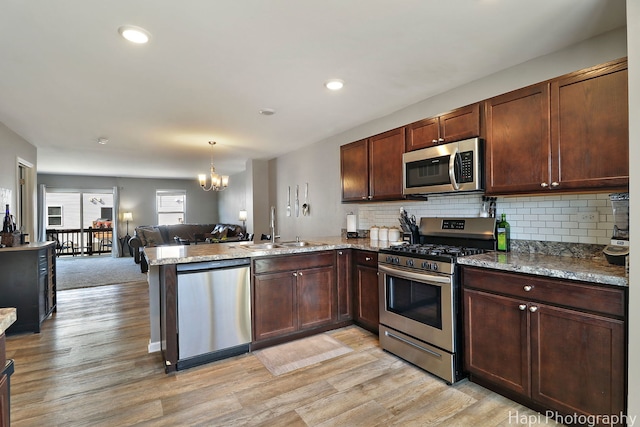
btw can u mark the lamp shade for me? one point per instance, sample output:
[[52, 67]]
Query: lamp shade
[[127, 216], [242, 216]]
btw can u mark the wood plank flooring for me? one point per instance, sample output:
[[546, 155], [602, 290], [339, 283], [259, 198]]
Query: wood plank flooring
[[89, 366]]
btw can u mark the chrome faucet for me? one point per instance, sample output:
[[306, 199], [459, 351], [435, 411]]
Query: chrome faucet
[[272, 224]]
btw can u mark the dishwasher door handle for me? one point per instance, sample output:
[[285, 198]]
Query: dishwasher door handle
[[196, 267]]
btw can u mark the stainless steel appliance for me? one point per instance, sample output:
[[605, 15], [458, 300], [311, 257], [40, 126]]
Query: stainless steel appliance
[[446, 168], [420, 298], [618, 250], [214, 311]]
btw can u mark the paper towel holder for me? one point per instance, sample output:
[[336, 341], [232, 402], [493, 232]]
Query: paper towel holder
[[352, 232]]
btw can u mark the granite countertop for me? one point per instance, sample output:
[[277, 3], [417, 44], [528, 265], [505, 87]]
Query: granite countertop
[[7, 317], [594, 270], [28, 246], [177, 254]]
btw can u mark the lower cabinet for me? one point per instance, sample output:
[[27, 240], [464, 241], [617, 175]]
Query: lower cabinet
[[28, 284], [4, 401], [554, 345], [366, 298], [293, 293], [344, 276]]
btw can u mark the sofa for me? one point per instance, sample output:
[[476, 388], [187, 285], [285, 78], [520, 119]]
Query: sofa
[[181, 234]]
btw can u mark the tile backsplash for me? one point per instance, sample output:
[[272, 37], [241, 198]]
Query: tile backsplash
[[545, 218]]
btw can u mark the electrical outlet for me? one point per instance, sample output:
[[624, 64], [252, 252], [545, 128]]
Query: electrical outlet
[[588, 217]]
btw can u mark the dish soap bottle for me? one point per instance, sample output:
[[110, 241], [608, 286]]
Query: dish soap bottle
[[503, 234]]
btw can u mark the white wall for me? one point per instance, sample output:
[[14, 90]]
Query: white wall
[[633, 28], [319, 164]]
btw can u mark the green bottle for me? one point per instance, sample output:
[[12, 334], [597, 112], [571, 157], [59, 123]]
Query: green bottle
[[503, 234]]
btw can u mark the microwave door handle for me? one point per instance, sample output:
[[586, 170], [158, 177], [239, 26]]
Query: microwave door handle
[[452, 173]]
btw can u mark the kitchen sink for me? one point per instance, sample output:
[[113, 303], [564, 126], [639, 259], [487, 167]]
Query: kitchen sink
[[300, 243], [261, 246]]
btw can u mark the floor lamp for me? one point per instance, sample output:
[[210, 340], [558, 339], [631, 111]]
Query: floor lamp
[[126, 216]]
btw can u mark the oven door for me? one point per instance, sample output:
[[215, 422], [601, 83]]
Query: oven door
[[419, 304]]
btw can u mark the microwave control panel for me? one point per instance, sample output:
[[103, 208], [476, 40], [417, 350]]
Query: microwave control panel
[[466, 167]]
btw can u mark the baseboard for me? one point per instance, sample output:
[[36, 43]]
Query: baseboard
[[154, 347]]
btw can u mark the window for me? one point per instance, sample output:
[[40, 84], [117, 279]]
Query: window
[[171, 206], [54, 216]]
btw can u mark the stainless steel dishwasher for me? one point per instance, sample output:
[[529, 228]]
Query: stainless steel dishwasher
[[214, 311]]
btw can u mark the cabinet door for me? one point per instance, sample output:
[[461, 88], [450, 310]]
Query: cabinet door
[[496, 334], [4, 401], [274, 305], [367, 299], [344, 284], [577, 361], [316, 297], [590, 128], [518, 145], [460, 124], [354, 171], [422, 134], [385, 165]]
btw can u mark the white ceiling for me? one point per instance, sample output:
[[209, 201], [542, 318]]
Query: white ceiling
[[67, 78]]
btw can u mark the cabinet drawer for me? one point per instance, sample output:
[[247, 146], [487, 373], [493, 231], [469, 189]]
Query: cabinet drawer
[[293, 262], [366, 258], [577, 295]]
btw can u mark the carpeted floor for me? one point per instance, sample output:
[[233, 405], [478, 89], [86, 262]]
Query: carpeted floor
[[84, 272], [301, 353]]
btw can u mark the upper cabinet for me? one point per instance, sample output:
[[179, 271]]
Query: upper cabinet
[[568, 134], [461, 123], [371, 169], [590, 128]]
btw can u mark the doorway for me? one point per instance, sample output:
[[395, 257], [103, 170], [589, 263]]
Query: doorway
[[81, 222]]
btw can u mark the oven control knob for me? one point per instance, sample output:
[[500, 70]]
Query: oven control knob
[[410, 262], [424, 264], [389, 259], [434, 266], [396, 260]]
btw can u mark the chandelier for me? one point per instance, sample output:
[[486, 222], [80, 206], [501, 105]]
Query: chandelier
[[217, 182]]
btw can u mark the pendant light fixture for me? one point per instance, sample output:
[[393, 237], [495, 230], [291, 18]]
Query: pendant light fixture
[[217, 182]]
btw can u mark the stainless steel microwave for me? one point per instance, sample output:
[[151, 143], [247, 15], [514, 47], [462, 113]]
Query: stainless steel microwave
[[447, 168]]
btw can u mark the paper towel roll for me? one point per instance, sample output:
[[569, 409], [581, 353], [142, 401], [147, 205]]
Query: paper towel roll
[[351, 223]]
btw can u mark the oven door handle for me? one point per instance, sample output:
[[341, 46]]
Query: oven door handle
[[419, 277]]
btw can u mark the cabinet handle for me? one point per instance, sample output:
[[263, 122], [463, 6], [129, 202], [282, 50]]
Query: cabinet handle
[[554, 184], [368, 258], [295, 273], [370, 197], [300, 273], [440, 139], [527, 288], [522, 307], [339, 252], [544, 185], [434, 141], [533, 309], [364, 197]]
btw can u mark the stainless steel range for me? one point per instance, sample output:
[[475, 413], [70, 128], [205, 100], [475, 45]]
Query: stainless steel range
[[420, 298]]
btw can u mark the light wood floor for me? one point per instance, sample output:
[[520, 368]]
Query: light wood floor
[[90, 367]]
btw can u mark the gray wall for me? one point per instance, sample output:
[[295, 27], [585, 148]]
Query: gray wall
[[319, 164], [137, 195]]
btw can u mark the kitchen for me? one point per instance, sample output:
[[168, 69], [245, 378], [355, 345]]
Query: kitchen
[[321, 175]]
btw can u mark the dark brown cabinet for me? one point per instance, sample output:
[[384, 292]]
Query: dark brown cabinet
[[455, 125], [371, 169], [344, 284], [28, 284], [366, 297], [293, 293], [566, 134], [555, 344], [590, 128], [4, 385]]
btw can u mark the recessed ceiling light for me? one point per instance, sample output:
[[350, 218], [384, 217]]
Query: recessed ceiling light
[[102, 141], [134, 34], [267, 111], [334, 84]]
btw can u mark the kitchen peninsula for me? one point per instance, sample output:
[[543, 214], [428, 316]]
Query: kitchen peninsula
[[296, 289], [8, 316]]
